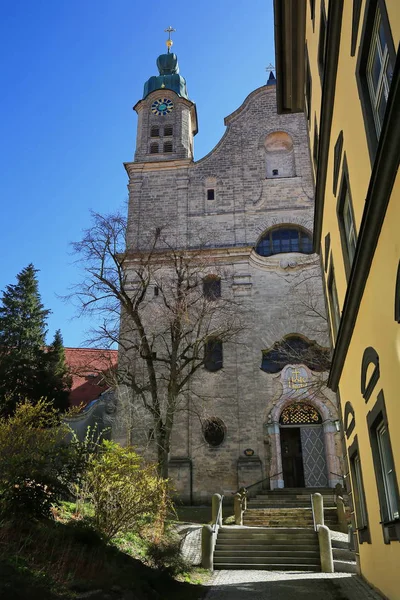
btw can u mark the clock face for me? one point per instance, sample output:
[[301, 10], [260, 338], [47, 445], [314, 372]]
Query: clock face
[[162, 107]]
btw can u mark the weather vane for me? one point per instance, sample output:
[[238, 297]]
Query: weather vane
[[270, 67], [169, 42]]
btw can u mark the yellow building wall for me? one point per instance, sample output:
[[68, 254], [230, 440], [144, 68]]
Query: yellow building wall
[[375, 326]]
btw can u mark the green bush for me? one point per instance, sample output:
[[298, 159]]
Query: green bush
[[126, 494], [36, 464], [165, 555]]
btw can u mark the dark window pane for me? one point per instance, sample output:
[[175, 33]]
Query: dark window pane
[[213, 360], [212, 288], [376, 68], [294, 243], [210, 194], [382, 36], [306, 244], [382, 107]]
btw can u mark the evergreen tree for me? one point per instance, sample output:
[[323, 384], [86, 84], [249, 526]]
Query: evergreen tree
[[57, 378], [26, 371]]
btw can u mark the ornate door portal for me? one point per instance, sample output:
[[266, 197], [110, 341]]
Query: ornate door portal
[[302, 447]]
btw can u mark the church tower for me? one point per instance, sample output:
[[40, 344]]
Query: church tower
[[167, 118]]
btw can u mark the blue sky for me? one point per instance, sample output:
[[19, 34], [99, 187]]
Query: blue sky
[[70, 73]]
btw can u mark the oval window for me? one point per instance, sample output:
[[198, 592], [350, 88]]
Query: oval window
[[214, 432]]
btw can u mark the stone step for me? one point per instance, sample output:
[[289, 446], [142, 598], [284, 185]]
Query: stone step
[[283, 545], [267, 560], [246, 553], [340, 544], [343, 554], [270, 567], [344, 566], [264, 530]]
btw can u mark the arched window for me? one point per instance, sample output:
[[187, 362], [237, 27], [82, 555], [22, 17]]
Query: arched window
[[294, 349], [155, 131], [284, 239], [279, 155], [300, 413], [212, 287], [167, 146], [153, 148]]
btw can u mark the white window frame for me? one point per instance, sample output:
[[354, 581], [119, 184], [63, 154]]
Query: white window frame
[[383, 81], [387, 471], [361, 515], [348, 226]]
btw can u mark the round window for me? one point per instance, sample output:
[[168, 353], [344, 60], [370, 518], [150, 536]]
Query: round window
[[214, 432]]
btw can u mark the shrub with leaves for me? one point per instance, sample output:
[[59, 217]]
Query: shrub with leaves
[[126, 494], [165, 555], [36, 463]]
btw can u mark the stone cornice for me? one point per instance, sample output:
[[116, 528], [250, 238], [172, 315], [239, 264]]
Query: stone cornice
[[134, 168]]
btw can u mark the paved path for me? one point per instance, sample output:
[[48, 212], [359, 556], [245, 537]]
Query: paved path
[[274, 585]]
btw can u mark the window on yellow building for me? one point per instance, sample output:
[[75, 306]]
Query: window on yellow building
[[358, 493], [375, 69], [358, 488], [387, 470], [333, 302], [386, 481], [308, 89], [322, 40], [346, 222]]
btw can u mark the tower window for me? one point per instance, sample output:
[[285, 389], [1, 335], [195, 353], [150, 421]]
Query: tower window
[[211, 194], [168, 130], [167, 146], [155, 132], [275, 172], [153, 148]]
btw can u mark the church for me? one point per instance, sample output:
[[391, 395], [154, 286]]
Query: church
[[267, 415]]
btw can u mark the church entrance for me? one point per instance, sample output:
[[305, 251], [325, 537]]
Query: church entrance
[[302, 447], [292, 459]]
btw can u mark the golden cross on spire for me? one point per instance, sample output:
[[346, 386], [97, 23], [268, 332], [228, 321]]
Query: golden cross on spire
[[169, 42]]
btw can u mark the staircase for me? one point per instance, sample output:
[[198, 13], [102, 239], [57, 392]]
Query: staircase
[[289, 508], [344, 559], [272, 549]]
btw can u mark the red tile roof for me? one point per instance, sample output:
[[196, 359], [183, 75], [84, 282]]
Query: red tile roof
[[89, 369]]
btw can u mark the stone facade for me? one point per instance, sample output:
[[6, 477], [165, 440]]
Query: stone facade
[[261, 178]]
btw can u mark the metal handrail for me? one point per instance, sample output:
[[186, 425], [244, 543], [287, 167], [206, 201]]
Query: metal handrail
[[247, 487], [218, 515], [337, 475]]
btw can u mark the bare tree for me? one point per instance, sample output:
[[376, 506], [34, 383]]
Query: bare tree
[[163, 308], [307, 305]]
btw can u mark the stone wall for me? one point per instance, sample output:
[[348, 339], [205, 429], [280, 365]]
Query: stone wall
[[248, 200]]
